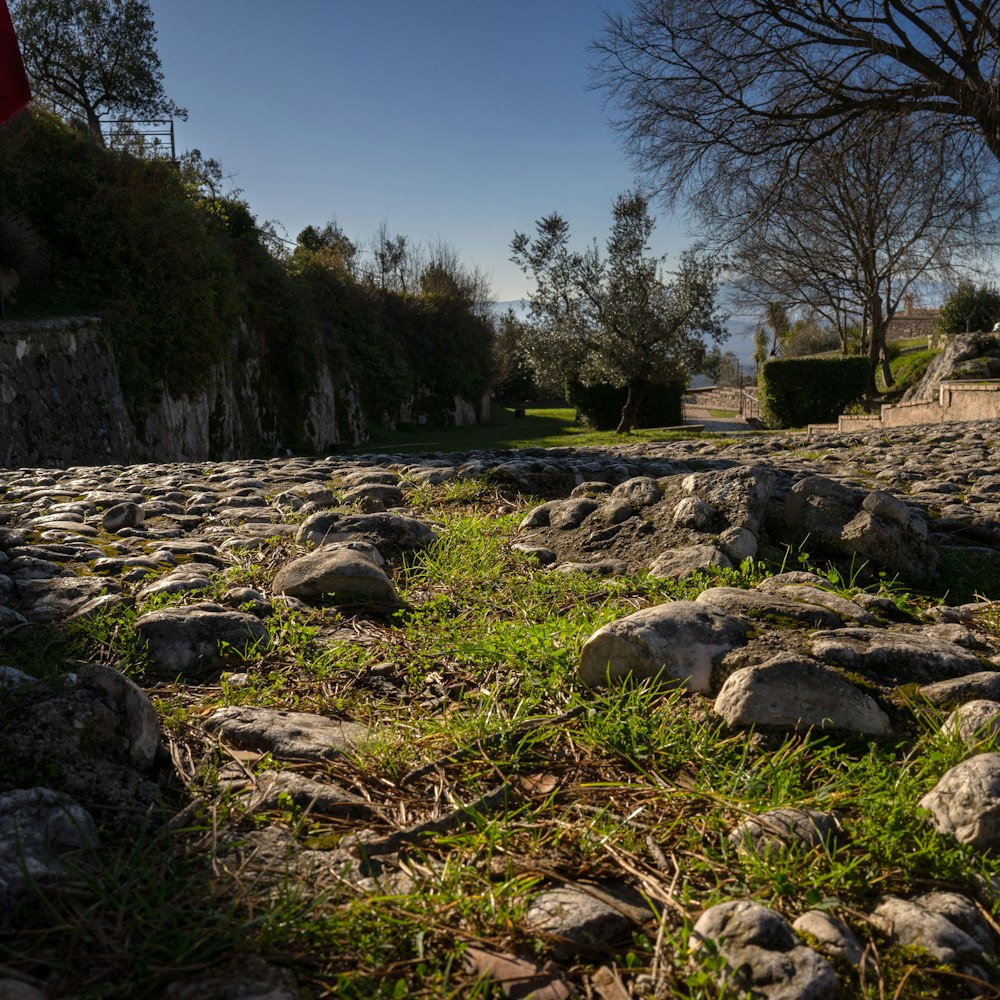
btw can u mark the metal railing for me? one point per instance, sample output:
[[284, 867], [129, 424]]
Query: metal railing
[[749, 405], [146, 137]]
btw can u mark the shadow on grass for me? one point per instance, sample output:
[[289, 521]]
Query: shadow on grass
[[538, 428]]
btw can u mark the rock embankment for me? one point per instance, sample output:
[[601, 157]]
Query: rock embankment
[[199, 561]]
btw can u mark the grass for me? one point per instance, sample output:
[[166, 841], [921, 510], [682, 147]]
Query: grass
[[477, 723], [907, 364], [550, 427]]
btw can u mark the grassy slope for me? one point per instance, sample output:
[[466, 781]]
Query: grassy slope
[[908, 363]]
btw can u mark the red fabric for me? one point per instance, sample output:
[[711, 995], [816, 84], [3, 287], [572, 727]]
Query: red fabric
[[14, 91]]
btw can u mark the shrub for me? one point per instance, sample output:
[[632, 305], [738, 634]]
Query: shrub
[[173, 268], [969, 308], [601, 405], [798, 391]]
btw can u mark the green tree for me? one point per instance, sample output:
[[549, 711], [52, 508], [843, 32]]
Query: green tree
[[88, 58], [330, 246], [616, 318], [970, 308], [513, 377]]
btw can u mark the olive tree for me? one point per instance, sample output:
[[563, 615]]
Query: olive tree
[[616, 317], [88, 58]]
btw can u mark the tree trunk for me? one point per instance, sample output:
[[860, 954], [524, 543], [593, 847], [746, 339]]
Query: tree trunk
[[94, 126], [630, 411], [876, 341]]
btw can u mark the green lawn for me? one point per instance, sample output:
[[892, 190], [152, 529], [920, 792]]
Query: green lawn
[[538, 428]]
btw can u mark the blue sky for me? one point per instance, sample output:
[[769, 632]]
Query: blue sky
[[461, 121]]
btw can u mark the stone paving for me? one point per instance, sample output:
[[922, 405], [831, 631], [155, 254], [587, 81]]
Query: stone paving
[[786, 655]]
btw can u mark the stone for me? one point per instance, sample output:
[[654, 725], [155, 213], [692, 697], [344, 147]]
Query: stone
[[286, 735], [337, 572], [181, 639], [275, 789], [890, 546], [796, 693], [65, 598], [786, 826], [247, 599], [40, 830], [673, 643], [679, 563], [963, 913], [615, 511], [769, 607], [983, 685], [186, 579], [542, 555], [819, 507], [835, 520], [567, 514], [762, 954], [902, 658], [840, 606], [742, 493], [23, 568], [373, 497], [598, 567], [9, 617], [638, 492], [537, 517], [965, 803], [916, 926], [574, 919], [832, 937], [12, 677], [139, 725], [383, 530], [123, 515], [694, 513], [976, 723], [887, 507], [739, 544], [899, 657], [591, 488]]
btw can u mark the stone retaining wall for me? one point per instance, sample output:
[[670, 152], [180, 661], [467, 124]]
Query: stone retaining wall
[[61, 404], [957, 401], [60, 399]]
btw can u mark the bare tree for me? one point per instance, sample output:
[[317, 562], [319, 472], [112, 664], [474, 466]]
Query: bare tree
[[700, 81], [864, 218], [445, 275], [392, 267]]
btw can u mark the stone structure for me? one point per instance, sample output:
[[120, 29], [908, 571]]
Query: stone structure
[[910, 322], [957, 401], [61, 403], [961, 383]]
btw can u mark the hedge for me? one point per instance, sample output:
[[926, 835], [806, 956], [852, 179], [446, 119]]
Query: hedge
[[794, 392], [601, 405]]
